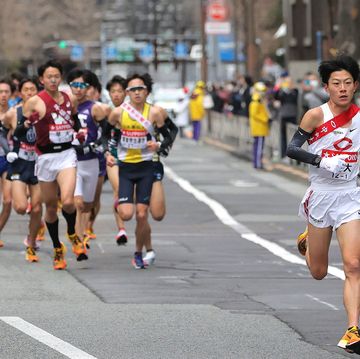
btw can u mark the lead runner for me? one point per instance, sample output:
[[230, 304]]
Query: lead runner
[[332, 202]]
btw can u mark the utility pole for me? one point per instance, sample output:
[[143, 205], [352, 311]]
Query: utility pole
[[204, 64], [251, 63], [236, 36]]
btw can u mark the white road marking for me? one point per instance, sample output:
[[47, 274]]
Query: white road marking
[[46, 338], [224, 216], [243, 184], [322, 302], [101, 247]]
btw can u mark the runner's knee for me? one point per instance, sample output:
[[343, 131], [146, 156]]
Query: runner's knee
[[352, 266], [318, 273]]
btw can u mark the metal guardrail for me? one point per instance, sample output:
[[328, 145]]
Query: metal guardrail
[[235, 131]]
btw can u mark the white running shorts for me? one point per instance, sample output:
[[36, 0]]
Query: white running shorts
[[86, 179], [48, 165], [330, 208]]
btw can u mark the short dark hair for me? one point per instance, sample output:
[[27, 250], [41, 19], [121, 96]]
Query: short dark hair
[[33, 80], [146, 78], [116, 80], [342, 62], [50, 63], [8, 82], [74, 74], [91, 78]]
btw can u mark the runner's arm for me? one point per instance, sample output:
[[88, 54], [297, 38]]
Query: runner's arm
[[308, 124]]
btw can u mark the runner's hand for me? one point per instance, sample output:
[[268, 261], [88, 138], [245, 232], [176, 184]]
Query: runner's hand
[[334, 164], [33, 118], [11, 157]]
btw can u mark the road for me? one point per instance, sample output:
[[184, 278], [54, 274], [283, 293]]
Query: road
[[227, 283]]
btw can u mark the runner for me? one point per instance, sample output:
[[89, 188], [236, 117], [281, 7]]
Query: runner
[[157, 201], [21, 168], [136, 120], [93, 94], [50, 112], [90, 114], [6, 90], [116, 87], [332, 201]]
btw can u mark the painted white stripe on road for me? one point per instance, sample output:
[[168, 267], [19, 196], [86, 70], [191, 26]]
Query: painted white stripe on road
[[322, 302], [224, 216], [46, 338]]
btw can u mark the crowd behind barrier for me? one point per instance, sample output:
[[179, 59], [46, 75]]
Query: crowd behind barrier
[[235, 132]]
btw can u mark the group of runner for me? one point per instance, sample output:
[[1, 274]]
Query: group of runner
[[57, 146]]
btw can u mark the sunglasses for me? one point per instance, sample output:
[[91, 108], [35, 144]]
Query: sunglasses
[[79, 85], [136, 88]]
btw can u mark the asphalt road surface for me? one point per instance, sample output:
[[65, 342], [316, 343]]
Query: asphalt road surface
[[227, 282]]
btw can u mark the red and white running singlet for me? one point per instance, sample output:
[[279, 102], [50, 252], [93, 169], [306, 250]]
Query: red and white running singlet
[[343, 140], [57, 125]]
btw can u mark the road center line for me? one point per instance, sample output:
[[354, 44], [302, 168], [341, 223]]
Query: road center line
[[224, 216], [46, 338]]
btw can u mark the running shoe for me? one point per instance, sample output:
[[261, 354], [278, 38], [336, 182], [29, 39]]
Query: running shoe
[[1, 243], [28, 208], [41, 232], [302, 242], [121, 237], [59, 257], [149, 258], [351, 340], [30, 255], [137, 261], [27, 243], [86, 240], [78, 247], [90, 233]]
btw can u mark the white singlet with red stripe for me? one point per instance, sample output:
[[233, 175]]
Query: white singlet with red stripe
[[343, 140]]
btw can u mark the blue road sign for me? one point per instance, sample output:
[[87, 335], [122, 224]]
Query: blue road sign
[[77, 53], [181, 50]]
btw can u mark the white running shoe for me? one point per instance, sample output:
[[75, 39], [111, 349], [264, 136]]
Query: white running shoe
[[149, 258]]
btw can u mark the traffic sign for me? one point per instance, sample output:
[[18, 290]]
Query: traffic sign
[[217, 11], [77, 53]]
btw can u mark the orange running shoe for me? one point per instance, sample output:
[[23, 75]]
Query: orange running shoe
[[302, 242], [78, 247], [30, 255], [59, 257], [1, 243], [41, 232], [351, 340], [90, 233]]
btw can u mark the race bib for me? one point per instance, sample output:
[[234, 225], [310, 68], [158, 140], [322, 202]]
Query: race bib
[[60, 133], [27, 152], [134, 139]]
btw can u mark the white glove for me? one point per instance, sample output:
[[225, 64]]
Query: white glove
[[334, 164], [11, 157]]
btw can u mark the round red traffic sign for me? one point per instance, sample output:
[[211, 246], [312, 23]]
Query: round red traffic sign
[[217, 11]]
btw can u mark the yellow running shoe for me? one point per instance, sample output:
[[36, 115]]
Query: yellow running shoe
[[302, 242], [90, 233], [59, 257], [41, 232], [351, 340], [78, 247], [30, 255]]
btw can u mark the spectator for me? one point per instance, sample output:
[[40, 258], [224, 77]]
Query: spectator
[[287, 95], [182, 112], [196, 107], [259, 122], [313, 94]]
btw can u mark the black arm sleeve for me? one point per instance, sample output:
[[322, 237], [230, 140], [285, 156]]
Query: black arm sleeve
[[295, 151], [20, 131], [77, 124], [173, 129]]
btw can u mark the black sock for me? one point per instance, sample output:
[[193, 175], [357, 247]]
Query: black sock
[[70, 220], [53, 229]]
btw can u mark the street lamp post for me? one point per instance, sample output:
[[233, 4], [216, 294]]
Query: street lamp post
[[204, 72]]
